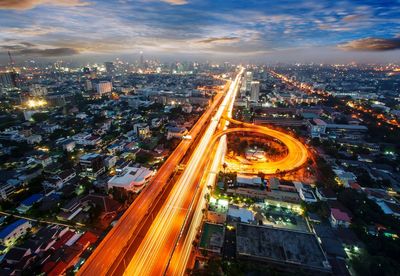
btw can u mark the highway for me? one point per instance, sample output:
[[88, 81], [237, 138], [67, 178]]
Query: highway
[[297, 156], [153, 254], [214, 158], [165, 243], [111, 250]]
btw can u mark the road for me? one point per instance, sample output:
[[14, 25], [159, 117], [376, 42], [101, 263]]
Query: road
[[183, 253], [154, 252], [166, 245], [297, 156], [72, 225], [297, 152], [113, 247]]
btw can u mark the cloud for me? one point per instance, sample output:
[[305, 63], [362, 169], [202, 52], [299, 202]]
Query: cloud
[[334, 28], [175, 2], [29, 49], [353, 17], [30, 4], [32, 30], [371, 44], [51, 52], [219, 40]]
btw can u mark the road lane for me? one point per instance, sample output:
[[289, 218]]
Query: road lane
[[113, 247]]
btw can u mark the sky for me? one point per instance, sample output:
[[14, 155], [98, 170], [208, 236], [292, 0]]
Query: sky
[[328, 31]]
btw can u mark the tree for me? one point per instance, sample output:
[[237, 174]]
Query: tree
[[143, 157], [40, 117]]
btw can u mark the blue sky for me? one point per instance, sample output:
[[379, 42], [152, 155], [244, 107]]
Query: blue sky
[[281, 30]]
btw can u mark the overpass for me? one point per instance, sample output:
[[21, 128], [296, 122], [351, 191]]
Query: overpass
[[297, 152], [166, 244]]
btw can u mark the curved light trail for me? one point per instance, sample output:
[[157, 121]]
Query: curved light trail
[[297, 152]]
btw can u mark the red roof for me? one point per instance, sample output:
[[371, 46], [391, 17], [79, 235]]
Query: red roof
[[48, 266], [64, 238], [339, 215], [58, 269], [355, 186], [86, 238]]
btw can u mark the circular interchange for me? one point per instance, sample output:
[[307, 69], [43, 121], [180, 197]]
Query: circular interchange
[[297, 152]]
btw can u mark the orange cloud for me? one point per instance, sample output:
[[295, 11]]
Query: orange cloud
[[175, 2], [372, 44], [30, 4]]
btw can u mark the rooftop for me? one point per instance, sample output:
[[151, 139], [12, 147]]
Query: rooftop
[[212, 236], [32, 199], [9, 228], [130, 175], [280, 245]]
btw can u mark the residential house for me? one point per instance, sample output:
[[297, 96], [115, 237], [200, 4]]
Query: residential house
[[10, 233]]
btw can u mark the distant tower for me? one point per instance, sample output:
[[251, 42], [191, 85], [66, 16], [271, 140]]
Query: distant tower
[[110, 68], [12, 63], [141, 62], [255, 91]]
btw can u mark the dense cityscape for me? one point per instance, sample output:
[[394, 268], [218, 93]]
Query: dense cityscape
[[221, 163]]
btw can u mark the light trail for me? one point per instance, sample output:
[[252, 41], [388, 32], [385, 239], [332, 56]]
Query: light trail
[[183, 251], [297, 156], [109, 254], [152, 255]]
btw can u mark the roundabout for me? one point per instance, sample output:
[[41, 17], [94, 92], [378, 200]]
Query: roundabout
[[296, 157]]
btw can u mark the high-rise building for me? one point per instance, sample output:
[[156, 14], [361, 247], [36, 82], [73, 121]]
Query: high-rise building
[[37, 90], [8, 79], [88, 85], [254, 91], [104, 87], [110, 67], [248, 78], [141, 61]]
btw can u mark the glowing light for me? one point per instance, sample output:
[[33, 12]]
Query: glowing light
[[32, 103]]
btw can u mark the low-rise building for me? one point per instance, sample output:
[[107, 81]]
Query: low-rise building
[[286, 250], [212, 238], [176, 132], [6, 190], [317, 127], [238, 214], [92, 164], [10, 233], [131, 178], [142, 130], [325, 194], [339, 218], [68, 145], [344, 178], [27, 203], [217, 210], [244, 180], [34, 139], [59, 180], [306, 194]]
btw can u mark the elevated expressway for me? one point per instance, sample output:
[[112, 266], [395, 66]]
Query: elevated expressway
[[154, 252], [166, 246], [297, 152], [297, 155], [110, 254]]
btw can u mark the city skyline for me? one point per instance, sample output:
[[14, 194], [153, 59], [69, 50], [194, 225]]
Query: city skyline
[[243, 31]]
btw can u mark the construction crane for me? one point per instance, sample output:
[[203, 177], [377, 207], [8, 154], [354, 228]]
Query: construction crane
[[11, 62]]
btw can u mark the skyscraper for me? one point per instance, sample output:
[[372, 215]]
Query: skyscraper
[[254, 91], [110, 68], [8, 79]]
